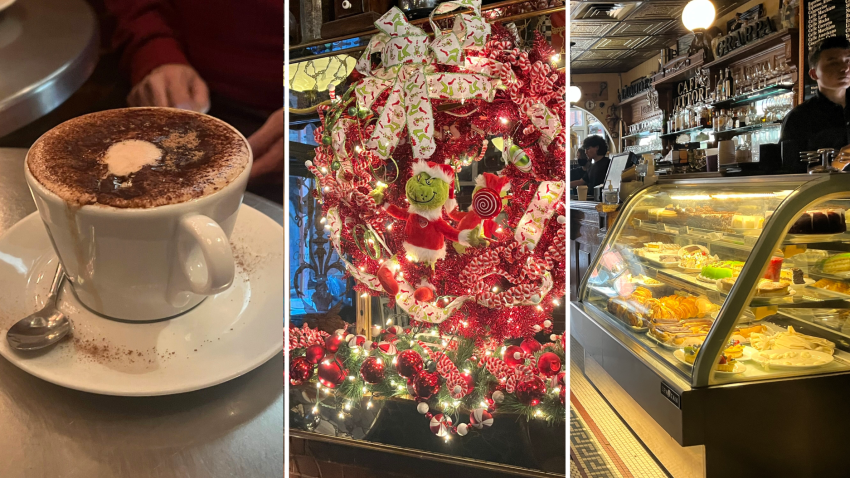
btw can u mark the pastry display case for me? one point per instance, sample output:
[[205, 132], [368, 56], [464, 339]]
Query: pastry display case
[[719, 298]]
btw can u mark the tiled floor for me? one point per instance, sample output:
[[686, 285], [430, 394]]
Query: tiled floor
[[600, 442]]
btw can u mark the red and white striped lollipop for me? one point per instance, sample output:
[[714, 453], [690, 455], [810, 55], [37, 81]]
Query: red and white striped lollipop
[[487, 203], [440, 424], [356, 340], [387, 348], [480, 418]]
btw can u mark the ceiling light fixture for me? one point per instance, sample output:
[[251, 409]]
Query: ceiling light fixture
[[575, 94], [697, 17]]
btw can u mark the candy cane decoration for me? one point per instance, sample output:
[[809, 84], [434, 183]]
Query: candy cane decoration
[[305, 337], [458, 388]]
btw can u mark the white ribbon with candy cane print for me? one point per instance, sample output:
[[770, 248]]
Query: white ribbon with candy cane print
[[545, 121], [468, 31], [425, 311], [541, 208], [404, 55], [407, 70]]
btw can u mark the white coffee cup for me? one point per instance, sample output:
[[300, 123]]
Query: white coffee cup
[[144, 264], [582, 193]]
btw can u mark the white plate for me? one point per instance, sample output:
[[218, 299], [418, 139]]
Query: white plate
[[806, 283], [791, 291], [226, 336], [739, 367], [654, 339], [756, 357]]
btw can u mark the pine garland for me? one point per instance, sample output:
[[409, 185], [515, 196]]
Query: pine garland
[[349, 394]]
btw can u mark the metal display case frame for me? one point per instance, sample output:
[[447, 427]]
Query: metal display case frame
[[782, 411]]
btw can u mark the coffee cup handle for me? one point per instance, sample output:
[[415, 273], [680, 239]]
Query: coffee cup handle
[[204, 261]]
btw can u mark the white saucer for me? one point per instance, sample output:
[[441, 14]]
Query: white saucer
[[4, 4], [226, 336]]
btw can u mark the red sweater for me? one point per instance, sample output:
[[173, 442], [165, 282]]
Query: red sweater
[[235, 45]]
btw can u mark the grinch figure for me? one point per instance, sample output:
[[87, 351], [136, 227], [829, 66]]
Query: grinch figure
[[429, 190]]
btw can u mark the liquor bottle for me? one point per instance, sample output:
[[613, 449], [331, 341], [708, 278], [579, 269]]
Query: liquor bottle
[[719, 89], [729, 84], [705, 118], [735, 120]]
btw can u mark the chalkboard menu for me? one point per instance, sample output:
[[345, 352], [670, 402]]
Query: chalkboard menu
[[821, 19]]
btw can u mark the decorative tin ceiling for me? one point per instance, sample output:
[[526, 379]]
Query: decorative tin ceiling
[[614, 37]]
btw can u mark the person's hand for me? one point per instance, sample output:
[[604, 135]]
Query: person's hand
[[476, 238], [174, 85], [267, 146]]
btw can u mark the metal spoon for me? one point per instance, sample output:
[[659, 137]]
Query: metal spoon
[[43, 328]]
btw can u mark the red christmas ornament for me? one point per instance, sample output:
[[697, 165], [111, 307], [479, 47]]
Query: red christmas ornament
[[514, 356], [494, 387], [331, 373], [409, 363], [372, 370], [549, 364], [530, 346], [315, 353], [425, 385], [332, 343], [480, 418], [300, 370], [441, 424], [529, 392]]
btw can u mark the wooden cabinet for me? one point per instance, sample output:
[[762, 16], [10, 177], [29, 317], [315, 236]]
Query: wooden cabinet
[[588, 227], [353, 16]]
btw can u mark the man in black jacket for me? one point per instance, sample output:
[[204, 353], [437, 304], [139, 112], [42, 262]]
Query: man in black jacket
[[823, 121]]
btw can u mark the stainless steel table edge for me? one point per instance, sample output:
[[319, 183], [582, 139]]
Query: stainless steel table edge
[[43, 97]]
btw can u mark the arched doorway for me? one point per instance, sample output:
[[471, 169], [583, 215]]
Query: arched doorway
[[583, 124]]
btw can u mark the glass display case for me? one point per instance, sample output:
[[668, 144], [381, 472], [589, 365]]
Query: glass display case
[[723, 287]]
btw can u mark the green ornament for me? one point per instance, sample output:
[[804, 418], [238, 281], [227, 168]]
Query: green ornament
[[362, 114], [326, 140], [519, 158], [335, 165], [352, 111]]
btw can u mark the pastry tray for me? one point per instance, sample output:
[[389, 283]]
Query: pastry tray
[[665, 345], [659, 265]]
